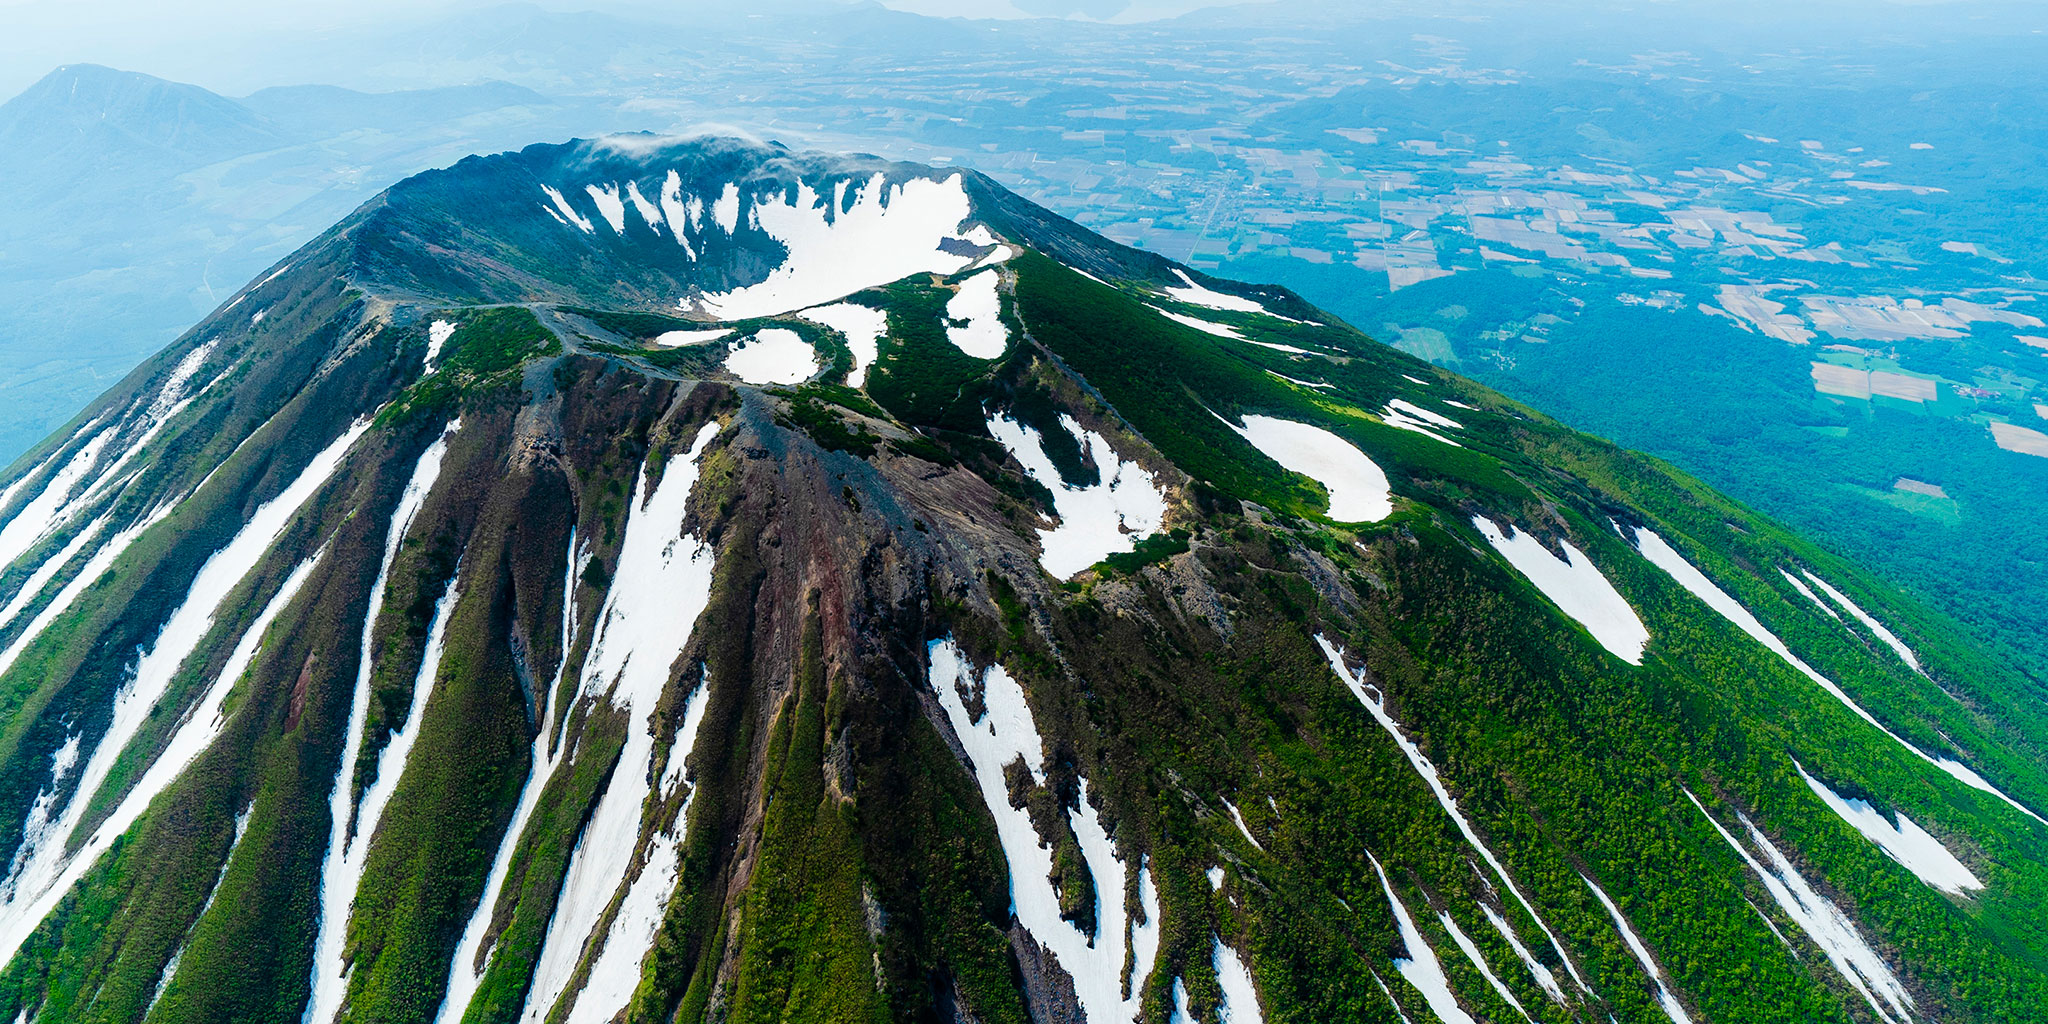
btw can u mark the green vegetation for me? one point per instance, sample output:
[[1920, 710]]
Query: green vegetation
[[484, 354]]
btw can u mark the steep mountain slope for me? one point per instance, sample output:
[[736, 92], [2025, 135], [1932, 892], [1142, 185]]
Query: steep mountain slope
[[698, 581]]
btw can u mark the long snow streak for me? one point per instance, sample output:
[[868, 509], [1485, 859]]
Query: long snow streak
[[1472, 953], [1830, 929], [1890, 639], [1902, 839], [47, 871], [1576, 586], [335, 895], [163, 979], [1098, 520], [1370, 696], [662, 585], [1542, 975], [1359, 491], [344, 876], [836, 247], [94, 568], [1003, 733], [466, 968], [48, 570], [1421, 968], [1664, 557], [1635, 944]]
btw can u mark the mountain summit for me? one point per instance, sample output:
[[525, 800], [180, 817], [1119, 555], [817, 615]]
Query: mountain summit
[[691, 580]]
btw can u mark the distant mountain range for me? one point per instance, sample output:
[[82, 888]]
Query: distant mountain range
[[695, 580]]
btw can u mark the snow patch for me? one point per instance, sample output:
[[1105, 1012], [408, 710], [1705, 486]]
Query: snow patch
[[684, 339], [1358, 488], [684, 216], [835, 248], [1831, 930], [1094, 521], [775, 355], [983, 336], [1544, 979], [1206, 327], [650, 214], [1406, 407], [1004, 733], [1197, 295], [1807, 592], [48, 571], [1238, 817], [863, 328], [1576, 586], [438, 334], [1240, 998], [609, 205], [1403, 416], [1902, 839], [725, 210], [564, 212]]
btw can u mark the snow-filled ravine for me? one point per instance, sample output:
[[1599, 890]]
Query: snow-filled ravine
[[1098, 520], [1240, 997], [1375, 705], [978, 308], [1358, 488], [1665, 1000], [1421, 967], [1000, 735], [1576, 586], [1665, 557], [1902, 839], [863, 328], [42, 871], [342, 864], [775, 355], [1838, 938], [1199, 295], [466, 967], [662, 585]]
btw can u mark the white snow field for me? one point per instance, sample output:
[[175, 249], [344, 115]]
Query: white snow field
[[1901, 839], [1422, 969], [1005, 732], [1665, 1000], [1240, 1002], [887, 233], [684, 339], [1890, 639], [662, 585], [1576, 586], [466, 967], [775, 355], [1359, 491], [40, 876], [863, 328], [341, 864], [1663, 556], [1822, 921], [1096, 521], [1375, 704], [977, 303]]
